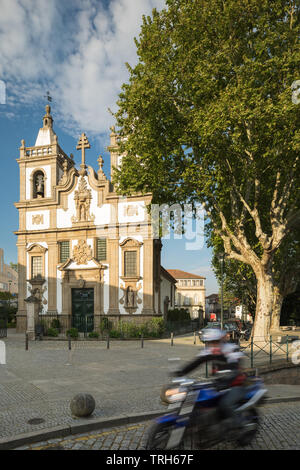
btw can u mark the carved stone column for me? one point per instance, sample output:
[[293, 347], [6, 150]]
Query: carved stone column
[[51, 275], [113, 255], [32, 305], [22, 286], [148, 277]]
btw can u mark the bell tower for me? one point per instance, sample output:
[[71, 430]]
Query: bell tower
[[42, 166]]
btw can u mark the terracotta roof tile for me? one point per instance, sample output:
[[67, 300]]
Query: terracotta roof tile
[[178, 274]]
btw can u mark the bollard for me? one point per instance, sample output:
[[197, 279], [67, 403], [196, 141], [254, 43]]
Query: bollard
[[69, 342], [172, 339], [194, 338], [142, 341], [26, 341], [206, 369], [107, 345]]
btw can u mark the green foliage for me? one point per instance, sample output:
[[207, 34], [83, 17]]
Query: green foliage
[[208, 117], [55, 323], [6, 296], [178, 314], [153, 328], [93, 334], [105, 325], [73, 333], [9, 312], [52, 332], [291, 309]]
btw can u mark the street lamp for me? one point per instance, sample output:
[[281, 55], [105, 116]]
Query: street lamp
[[221, 259]]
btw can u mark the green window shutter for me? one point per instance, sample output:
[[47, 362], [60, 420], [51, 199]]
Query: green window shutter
[[101, 249], [64, 251]]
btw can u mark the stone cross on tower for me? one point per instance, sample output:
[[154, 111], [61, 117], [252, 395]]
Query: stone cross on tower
[[83, 144]]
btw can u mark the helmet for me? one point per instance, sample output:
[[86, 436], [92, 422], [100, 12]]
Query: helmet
[[212, 334]]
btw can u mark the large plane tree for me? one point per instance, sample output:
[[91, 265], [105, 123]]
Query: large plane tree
[[209, 116]]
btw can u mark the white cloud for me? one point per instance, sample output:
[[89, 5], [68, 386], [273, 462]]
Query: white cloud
[[77, 50]]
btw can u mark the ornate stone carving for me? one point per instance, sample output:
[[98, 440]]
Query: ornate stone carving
[[38, 219], [82, 252], [83, 197], [131, 211], [37, 290], [130, 298]]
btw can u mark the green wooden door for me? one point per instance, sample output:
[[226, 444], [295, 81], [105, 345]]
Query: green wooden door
[[83, 309]]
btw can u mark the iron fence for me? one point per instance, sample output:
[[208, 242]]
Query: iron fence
[[262, 350]]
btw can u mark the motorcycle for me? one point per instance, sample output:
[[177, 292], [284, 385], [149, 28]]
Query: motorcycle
[[193, 416]]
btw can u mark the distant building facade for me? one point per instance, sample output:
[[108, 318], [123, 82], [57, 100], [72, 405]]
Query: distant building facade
[[168, 291], [190, 292], [212, 308], [8, 276]]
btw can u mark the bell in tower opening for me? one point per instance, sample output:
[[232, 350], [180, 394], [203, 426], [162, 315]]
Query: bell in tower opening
[[38, 185]]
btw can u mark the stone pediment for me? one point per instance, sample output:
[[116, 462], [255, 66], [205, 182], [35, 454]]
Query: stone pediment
[[71, 264]]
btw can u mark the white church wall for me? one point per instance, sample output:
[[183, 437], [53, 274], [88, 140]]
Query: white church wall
[[59, 291], [106, 289], [102, 214], [38, 220], [131, 212]]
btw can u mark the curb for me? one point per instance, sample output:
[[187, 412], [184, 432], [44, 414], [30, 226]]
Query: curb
[[88, 425]]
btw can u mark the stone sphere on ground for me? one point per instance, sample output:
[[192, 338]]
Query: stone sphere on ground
[[82, 404]]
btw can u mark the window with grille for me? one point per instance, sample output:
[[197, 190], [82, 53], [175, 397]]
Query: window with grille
[[64, 251], [101, 249], [130, 266], [36, 266]]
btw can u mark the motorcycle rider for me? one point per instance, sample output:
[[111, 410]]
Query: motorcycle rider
[[226, 368]]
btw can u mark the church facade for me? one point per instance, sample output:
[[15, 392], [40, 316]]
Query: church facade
[[87, 252]]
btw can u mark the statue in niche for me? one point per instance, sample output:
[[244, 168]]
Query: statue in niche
[[83, 197], [82, 212], [130, 297]]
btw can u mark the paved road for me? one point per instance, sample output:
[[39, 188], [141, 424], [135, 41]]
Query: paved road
[[279, 430]]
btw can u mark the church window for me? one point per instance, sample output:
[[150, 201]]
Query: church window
[[101, 249], [36, 266], [130, 264], [64, 248], [131, 258]]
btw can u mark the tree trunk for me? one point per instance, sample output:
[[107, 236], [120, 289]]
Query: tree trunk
[[264, 305], [277, 304]]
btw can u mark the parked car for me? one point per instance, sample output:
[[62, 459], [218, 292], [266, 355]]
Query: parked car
[[230, 327]]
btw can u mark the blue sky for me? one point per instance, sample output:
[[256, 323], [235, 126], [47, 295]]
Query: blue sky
[[77, 51]]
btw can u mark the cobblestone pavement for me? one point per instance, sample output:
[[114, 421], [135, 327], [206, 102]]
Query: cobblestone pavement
[[279, 430], [125, 379]]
